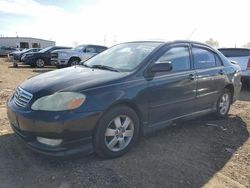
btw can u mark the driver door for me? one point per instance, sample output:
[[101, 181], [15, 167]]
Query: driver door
[[173, 93]]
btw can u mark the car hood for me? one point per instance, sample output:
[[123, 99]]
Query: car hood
[[28, 53], [17, 52], [75, 78]]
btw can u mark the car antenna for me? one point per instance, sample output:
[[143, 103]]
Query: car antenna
[[191, 34]]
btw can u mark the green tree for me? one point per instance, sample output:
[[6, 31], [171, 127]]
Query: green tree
[[212, 42]]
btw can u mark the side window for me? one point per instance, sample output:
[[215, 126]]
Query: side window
[[90, 49], [178, 57], [218, 60], [203, 58], [99, 49]]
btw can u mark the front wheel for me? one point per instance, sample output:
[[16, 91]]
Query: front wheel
[[73, 62], [116, 132], [40, 63], [223, 104]]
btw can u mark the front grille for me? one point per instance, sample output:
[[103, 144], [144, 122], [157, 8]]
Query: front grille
[[54, 55], [22, 97]]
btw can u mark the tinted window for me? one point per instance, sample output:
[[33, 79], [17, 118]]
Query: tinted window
[[99, 49], [178, 57], [90, 49], [203, 58], [218, 60], [235, 52]]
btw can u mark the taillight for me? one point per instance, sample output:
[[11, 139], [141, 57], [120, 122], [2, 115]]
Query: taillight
[[248, 64]]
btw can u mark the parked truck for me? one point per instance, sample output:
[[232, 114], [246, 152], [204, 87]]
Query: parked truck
[[64, 58]]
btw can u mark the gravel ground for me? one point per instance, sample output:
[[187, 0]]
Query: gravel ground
[[200, 153]]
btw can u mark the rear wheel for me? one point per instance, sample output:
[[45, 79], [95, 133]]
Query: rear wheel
[[224, 103], [116, 132], [40, 63]]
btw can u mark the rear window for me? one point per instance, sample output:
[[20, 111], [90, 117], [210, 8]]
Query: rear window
[[235, 52]]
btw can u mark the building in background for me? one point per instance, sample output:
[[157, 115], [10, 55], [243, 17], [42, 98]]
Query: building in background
[[25, 42]]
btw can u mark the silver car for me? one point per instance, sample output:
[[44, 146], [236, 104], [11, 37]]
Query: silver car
[[242, 57], [64, 58]]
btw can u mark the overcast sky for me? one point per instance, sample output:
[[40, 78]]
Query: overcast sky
[[92, 21]]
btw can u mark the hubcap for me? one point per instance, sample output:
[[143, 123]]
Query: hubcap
[[119, 133], [40, 63], [224, 104]]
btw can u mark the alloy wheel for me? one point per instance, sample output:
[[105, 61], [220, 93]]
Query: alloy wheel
[[119, 133], [40, 63], [224, 104]]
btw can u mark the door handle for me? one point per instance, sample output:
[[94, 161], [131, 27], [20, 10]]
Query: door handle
[[191, 76], [221, 72]]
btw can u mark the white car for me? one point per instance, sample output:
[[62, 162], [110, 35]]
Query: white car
[[242, 57]]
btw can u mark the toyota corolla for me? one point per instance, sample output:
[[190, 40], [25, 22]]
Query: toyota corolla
[[104, 104]]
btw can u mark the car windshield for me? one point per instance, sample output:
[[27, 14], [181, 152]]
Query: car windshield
[[46, 49], [26, 50], [123, 57], [79, 48]]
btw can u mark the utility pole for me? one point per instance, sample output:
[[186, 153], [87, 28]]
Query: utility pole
[[104, 40], [115, 39]]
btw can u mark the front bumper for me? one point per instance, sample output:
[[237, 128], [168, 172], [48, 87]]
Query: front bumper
[[59, 62], [75, 129], [29, 61]]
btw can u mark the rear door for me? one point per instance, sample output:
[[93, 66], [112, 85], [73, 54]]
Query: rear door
[[172, 94], [210, 77]]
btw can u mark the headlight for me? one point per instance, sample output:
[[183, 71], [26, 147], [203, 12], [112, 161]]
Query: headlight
[[59, 102], [63, 55]]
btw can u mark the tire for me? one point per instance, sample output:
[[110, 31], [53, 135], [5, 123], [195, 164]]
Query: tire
[[59, 66], [73, 62], [223, 104], [40, 63], [116, 133]]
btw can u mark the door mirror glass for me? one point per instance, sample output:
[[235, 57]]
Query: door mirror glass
[[161, 66]]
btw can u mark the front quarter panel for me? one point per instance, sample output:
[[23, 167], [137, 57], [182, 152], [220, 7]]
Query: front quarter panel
[[130, 92]]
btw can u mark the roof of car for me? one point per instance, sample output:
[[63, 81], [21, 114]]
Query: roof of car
[[175, 41], [233, 49]]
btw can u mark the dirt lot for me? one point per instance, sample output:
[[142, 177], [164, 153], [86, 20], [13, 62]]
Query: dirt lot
[[198, 153]]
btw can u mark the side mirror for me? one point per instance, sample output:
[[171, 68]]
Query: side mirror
[[161, 66]]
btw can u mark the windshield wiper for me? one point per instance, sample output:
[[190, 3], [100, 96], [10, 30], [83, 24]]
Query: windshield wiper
[[105, 67]]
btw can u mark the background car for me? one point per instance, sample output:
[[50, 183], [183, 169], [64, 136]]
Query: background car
[[18, 55], [4, 51], [63, 58], [41, 58], [132, 88], [242, 57]]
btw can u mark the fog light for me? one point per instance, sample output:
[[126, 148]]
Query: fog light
[[49, 141]]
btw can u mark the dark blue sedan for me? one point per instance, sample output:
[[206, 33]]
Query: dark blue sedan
[[134, 88]]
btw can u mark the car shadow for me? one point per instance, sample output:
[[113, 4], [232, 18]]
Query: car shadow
[[187, 154], [245, 94]]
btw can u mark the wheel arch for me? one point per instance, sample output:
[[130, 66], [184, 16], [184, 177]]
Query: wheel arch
[[74, 57], [126, 103]]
